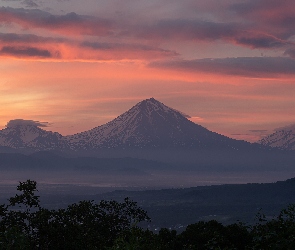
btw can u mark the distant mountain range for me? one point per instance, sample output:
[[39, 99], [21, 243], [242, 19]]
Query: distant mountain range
[[149, 124], [148, 131], [283, 138]]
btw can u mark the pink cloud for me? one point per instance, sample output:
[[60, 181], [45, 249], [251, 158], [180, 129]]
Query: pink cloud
[[70, 23], [252, 30], [33, 46]]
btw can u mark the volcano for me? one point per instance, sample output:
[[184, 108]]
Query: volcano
[[150, 124]]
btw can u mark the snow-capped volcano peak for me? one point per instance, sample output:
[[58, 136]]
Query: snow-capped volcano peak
[[149, 123], [151, 105], [150, 108], [144, 124]]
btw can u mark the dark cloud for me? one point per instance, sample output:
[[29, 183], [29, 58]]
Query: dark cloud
[[123, 46], [25, 52], [199, 30], [30, 4], [100, 45], [26, 3], [260, 41], [258, 130], [243, 66], [68, 23], [276, 17], [255, 24], [27, 38], [290, 52], [29, 45], [241, 33], [250, 6], [21, 122], [187, 29], [12, 38]]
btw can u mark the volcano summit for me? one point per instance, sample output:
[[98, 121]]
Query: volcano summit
[[149, 124]]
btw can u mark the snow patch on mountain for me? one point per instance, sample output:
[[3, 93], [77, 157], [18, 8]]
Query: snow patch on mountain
[[283, 138], [149, 122], [27, 134]]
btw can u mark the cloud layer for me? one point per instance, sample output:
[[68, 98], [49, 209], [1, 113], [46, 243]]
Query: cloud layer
[[70, 23], [252, 24], [242, 66]]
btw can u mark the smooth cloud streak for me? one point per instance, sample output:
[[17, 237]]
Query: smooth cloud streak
[[70, 23], [186, 30], [30, 45], [243, 66]]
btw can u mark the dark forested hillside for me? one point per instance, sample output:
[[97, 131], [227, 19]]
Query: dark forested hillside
[[178, 207], [225, 203], [109, 225]]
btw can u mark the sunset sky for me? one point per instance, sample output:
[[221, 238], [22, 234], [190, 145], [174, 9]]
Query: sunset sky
[[74, 65]]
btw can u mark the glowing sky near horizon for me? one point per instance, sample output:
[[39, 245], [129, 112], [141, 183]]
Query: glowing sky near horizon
[[75, 64]]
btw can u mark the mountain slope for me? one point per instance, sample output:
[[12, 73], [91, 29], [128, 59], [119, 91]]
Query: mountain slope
[[149, 124], [30, 136], [283, 138]]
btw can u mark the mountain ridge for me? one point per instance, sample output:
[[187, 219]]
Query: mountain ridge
[[149, 124], [283, 138], [29, 136]]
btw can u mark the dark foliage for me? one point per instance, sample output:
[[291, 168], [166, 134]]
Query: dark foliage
[[26, 225], [110, 225]]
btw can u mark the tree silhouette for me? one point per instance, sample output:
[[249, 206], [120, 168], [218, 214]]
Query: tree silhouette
[[25, 224]]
